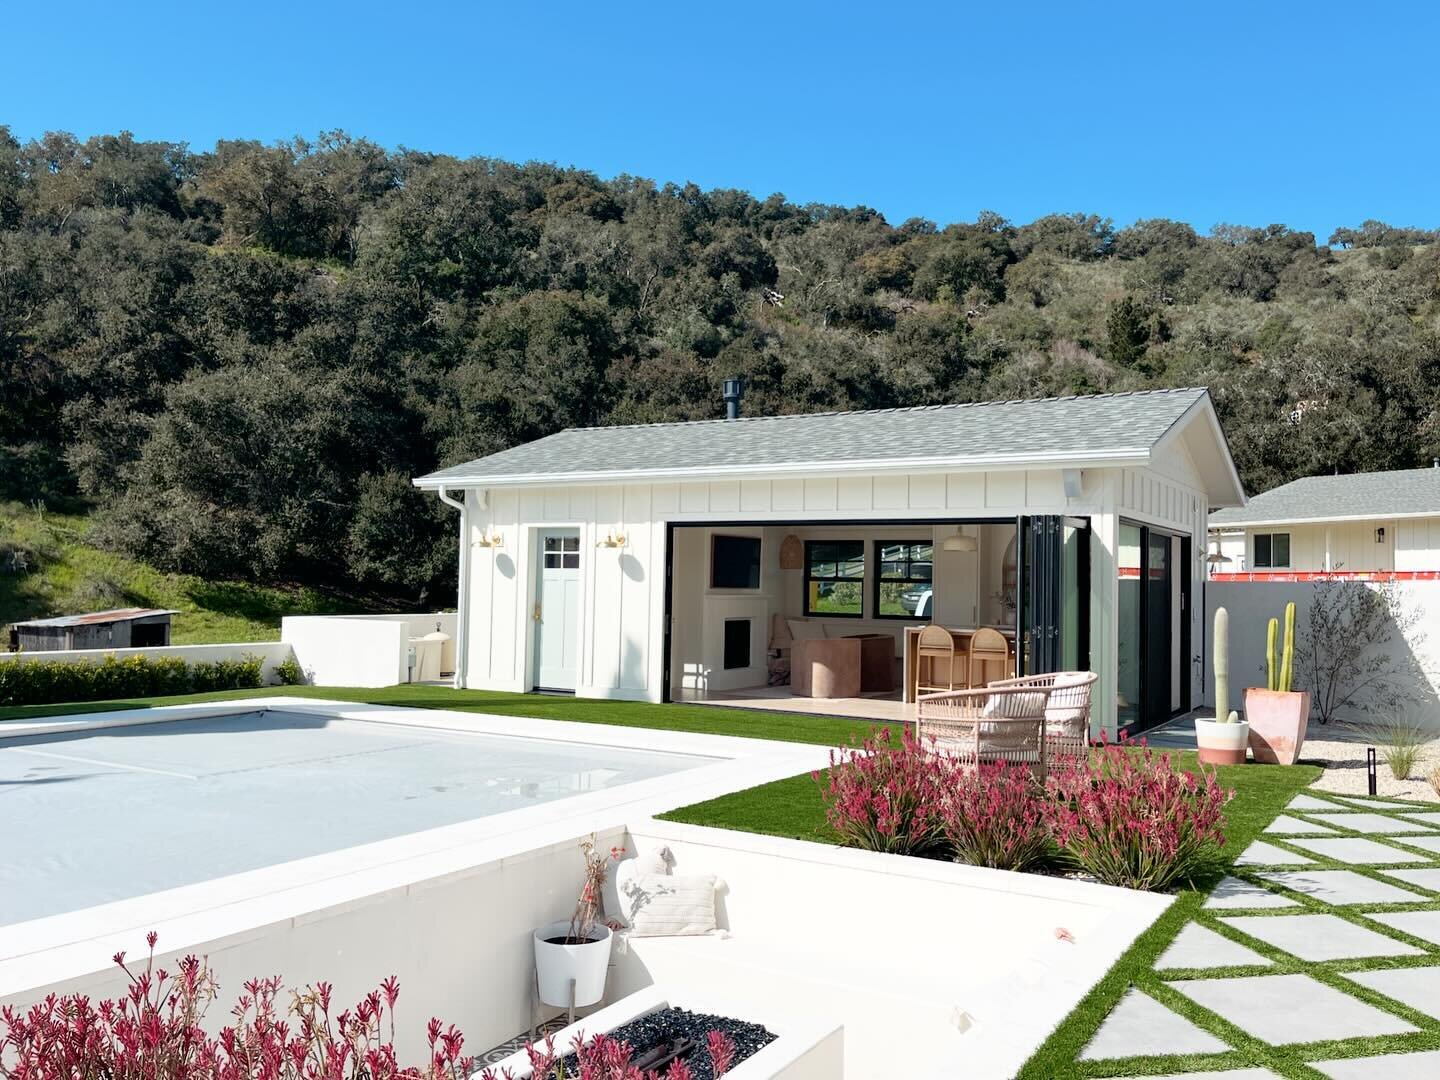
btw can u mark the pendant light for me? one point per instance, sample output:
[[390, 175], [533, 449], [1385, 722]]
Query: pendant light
[[959, 542]]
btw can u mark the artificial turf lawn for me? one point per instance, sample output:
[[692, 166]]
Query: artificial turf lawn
[[700, 719]]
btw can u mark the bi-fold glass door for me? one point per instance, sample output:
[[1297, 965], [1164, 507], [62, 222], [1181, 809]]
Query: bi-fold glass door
[[1054, 612]]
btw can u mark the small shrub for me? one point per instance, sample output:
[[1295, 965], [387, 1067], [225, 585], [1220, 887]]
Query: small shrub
[[1401, 742], [1127, 818], [44, 682], [883, 797], [289, 672], [995, 816], [157, 1030], [1434, 779]]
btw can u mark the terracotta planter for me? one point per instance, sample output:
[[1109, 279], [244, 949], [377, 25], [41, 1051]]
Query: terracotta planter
[[1278, 720], [1220, 743]]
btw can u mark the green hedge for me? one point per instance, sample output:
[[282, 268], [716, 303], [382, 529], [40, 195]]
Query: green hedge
[[44, 682]]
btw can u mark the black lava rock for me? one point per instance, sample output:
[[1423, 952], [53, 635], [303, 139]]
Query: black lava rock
[[669, 1024]]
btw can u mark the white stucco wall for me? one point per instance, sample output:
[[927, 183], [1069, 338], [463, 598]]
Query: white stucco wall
[[358, 650], [1252, 604]]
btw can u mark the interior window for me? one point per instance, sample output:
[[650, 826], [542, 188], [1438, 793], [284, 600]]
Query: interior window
[[1272, 551], [834, 577], [903, 585]]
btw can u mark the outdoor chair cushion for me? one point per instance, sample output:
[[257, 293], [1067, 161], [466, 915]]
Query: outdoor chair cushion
[[668, 905], [1014, 706], [1061, 716]]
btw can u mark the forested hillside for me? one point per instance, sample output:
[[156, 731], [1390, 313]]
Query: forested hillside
[[237, 358]]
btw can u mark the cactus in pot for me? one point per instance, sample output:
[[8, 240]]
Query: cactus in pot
[[1278, 715], [1222, 665], [1223, 740]]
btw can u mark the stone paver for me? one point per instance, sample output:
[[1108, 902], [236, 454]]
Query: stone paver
[[1141, 1025], [1309, 802], [1281, 1009], [1319, 937], [1343, 887], [1286, 824], [1380, 804], [1376, 823], [1427, 877], [1233, 892], [1421, 924], [1417, 987], [1262, 854], [1422, 1066], [1426, 817], [1358, 851], [1200, 947], [1429, 843]]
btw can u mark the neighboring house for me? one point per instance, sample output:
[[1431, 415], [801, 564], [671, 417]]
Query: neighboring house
[[649, 562], [1380, 526]]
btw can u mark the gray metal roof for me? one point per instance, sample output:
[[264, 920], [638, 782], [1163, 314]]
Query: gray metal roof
[[1400, 493], [1095, 428]]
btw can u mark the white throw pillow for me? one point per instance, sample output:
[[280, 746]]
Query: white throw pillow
[[669, 905], [804, 630]]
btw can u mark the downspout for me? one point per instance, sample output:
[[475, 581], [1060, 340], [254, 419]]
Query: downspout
[[462, 599]]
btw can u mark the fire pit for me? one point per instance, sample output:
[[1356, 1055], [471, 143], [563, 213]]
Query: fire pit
[[659, 1037]]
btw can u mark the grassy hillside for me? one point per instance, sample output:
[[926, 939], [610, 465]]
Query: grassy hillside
[[47, 567]]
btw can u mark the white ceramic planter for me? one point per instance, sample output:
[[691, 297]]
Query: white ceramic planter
[[587, 964], [1221, 743]]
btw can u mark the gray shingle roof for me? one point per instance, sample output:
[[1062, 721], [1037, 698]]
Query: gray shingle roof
[[1096, 427], [1328, 498]]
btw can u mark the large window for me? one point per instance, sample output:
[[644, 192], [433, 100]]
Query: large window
[[834, 577], [903, 587], [1272, 551]]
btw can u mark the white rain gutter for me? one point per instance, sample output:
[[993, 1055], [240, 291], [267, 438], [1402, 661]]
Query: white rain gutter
[[462, 599]]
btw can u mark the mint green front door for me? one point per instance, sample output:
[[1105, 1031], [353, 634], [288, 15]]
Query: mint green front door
[[557, 610]]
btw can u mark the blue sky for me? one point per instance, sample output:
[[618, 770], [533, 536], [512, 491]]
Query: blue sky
[[1314, 115]]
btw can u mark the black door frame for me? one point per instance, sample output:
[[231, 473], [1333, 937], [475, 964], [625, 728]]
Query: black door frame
[[1147, 661]]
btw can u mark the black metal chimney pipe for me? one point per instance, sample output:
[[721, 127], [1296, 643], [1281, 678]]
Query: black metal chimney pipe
[[734, 390]]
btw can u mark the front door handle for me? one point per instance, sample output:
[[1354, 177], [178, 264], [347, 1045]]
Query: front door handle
[[536, 613]]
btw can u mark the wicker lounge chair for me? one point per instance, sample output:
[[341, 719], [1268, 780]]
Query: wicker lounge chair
[[992, 723]]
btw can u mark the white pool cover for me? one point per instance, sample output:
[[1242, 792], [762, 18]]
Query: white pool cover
[[95, 816]]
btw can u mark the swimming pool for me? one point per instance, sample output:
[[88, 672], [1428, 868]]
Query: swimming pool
[[98, 815]]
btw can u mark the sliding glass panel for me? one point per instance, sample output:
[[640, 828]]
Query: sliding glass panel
[[1127, 698]]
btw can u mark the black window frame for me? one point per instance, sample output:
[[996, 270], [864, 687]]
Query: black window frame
[[808, 578], [881, 579], [1270, 563]]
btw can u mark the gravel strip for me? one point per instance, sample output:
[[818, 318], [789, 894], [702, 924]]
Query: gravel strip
[[1344, 761]]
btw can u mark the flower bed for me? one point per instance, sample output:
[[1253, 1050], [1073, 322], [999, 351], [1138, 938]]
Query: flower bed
[[155, 1032], [1123, 816]]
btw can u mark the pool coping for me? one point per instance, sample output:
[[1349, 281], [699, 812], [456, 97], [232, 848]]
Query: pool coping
[[51, 949]]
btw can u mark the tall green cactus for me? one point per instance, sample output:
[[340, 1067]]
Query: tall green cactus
[[1281, 676], [1272, 677], [1222, 665], [1287, 662]]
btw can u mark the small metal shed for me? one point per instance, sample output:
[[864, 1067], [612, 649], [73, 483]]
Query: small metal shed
[[122, 628]]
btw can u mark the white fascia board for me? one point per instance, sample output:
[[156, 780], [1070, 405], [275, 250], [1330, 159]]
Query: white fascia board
[[1228, 526], [1108, 459]]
